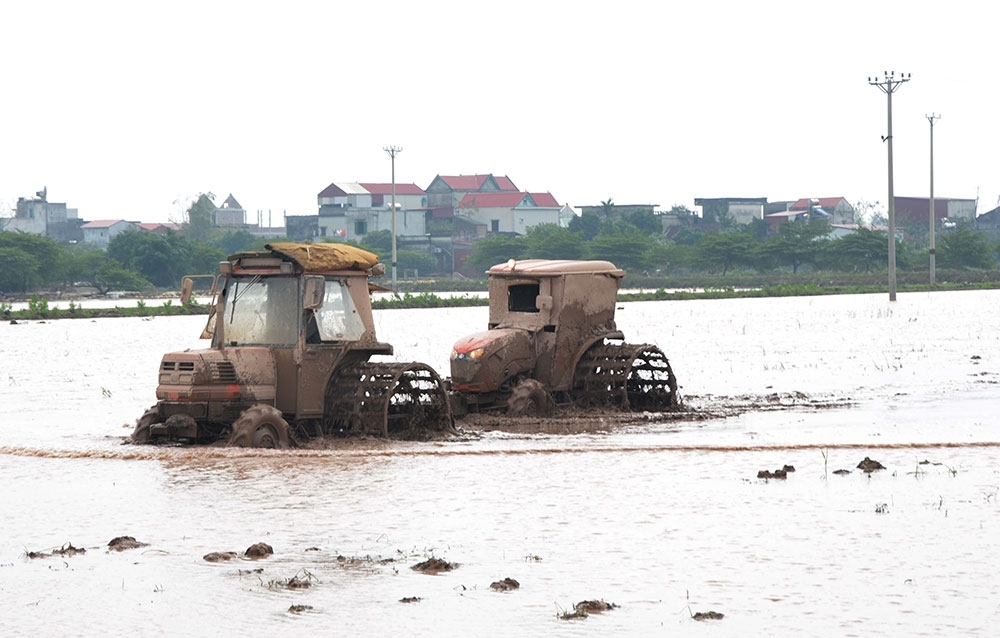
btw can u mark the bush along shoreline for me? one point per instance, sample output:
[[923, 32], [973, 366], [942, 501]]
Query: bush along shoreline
[[39, 308]]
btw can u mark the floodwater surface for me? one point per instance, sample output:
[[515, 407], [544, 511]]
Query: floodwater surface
[[663, 518]]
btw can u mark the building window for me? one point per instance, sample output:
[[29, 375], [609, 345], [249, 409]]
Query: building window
[[322, 231], [360, 228], [495, 225]]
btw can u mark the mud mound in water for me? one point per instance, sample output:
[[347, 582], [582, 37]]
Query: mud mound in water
[[708, 615], [434, 566], [507, 584], [219, 557], [258, 550], [869, 466], [122, 543]]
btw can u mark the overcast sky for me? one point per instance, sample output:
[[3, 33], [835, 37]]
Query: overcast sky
[[130, 109]]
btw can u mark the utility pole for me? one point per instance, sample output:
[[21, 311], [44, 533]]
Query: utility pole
[[889, 85], [393, 151], [931, 118]]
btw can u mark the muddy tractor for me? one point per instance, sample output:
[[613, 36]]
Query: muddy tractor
[[291, 341], [552, 339]]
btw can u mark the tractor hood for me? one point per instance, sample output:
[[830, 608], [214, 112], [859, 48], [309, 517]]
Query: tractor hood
[[484, 361], [232, 374]]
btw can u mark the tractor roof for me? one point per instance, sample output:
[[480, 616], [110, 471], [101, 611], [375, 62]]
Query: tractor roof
[[318, 258], [555, 268]]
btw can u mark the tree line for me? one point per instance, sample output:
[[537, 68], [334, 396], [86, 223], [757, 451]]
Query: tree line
[[636, 242], [142, 261]]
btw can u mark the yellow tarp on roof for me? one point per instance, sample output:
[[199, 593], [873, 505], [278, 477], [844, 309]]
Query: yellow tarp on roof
[[325, 257]]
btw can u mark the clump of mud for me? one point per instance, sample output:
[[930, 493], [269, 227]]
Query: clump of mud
[[781, 473], [707, 615], [298, 609], [586, 607], [219, 557], [434, 566], [868, 465], [507, 584], [66, 550], [258, 550], [410, 599], [122, 543]]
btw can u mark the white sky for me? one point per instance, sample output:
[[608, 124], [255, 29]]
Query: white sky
[[130, 109]]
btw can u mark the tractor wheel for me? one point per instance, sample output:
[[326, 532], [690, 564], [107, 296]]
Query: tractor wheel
[[632, 377], [530, 398], [260, 426], [140, 435]]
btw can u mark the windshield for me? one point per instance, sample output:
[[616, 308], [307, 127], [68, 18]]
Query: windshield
[[261, 311], [338, 319]]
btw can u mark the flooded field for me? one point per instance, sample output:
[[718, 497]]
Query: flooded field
[[663, 518]]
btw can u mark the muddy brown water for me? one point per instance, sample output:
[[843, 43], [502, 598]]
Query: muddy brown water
[[663, 517]]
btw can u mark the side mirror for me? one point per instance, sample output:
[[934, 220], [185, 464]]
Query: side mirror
[[313, 291], [543, 302], [187, 287]]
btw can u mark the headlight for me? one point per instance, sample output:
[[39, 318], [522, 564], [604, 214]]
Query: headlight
[[472, 354]]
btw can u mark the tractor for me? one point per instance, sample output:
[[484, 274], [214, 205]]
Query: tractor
[[552, 339], [291, 341]]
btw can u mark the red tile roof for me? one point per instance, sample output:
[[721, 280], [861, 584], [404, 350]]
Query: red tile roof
[[386, 189], [544, 199]]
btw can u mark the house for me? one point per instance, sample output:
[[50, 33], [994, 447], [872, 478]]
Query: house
[[350, 210], [445, 192], [99, 233], [230, 214], [508, 211], [916, 211], [39, 216], [741, 210], [158, 228], [837, 209]]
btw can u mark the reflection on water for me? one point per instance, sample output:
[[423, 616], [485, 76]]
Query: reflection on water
[[663, 520]]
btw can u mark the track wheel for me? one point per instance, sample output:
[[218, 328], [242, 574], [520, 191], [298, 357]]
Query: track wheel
[[260, 426], [397, 400], [634, 377], [140, 435], [530, 398]]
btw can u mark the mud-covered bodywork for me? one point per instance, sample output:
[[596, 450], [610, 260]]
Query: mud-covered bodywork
[[553, 322], [292, 334]]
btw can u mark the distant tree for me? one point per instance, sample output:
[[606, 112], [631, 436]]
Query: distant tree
[[92, 267], [200, 223], [47, 264], [861, 250], [237, 241], [965, 247], [496, 250], [379, 242], [423, 263], [587, 225], [646, 221], [723, 251], [667, 256], [19, 269], [625, 250], [607, 208], [688, 235], [549, 241], [797, 244]]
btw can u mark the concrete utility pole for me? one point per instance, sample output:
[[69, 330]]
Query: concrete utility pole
[[931, 118], [393, 151], [889, 85]]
